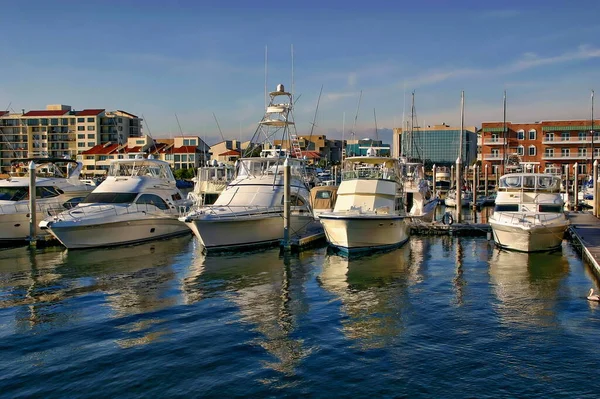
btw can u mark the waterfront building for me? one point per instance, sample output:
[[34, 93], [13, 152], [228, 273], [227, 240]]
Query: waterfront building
[[317, 148], [359, 147], [533, 146], [183, 152], [60, 131], [436, 144]]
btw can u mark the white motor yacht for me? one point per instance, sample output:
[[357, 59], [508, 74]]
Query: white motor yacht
[[249, 211], [369, 210], [138, 201], [210, 182], [58, 187], [420, 201], [466, 198], [529, 215]]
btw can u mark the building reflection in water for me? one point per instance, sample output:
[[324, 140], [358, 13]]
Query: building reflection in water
[[268, 291], [373, 293], [527, 285]]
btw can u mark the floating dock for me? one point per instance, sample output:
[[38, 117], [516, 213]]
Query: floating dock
[[455, 229], [585, 235], [313, 236]]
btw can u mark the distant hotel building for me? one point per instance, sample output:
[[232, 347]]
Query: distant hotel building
[[537, 145], [360, 147], [59, 131], [436, 144]]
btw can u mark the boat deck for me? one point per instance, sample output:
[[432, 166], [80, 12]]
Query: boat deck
[[585, 234]]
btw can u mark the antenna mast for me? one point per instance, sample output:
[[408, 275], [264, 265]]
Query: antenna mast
[[356, 117], [266, 72]]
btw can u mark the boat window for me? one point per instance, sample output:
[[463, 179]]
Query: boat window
[[46, 192], [152, 199], [551, 208], [14, 193], [528, 181], [176, 197], [73, 202], [511, 181], [506, 208], [323, 194], [545, 182], [295, 200], [110, 198]]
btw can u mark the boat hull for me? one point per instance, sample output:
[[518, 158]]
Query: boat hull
[[244, 232], [93, 235], [528, 238], [355, 234]]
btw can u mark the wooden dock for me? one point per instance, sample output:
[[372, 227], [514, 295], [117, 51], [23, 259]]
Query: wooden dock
[[313, 236], [455, 229], [585, 234]]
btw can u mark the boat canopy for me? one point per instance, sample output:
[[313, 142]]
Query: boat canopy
[[374, 168], [140, 167]]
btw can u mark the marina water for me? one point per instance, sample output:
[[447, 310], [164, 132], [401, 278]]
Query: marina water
[[439, 317]]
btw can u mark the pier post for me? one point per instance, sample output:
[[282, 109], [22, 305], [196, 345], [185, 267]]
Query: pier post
[[434, 170], [286, 206], [32, 209], [595, 185], [485, 179], [458, 190], [474, 186], [575, 185], [567, 196], [451, 175]]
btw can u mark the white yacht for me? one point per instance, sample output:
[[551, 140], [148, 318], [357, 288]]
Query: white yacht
[[58, 187], [138, 201], [210, 182], [420, 201], [466, 198], [369, 210], [529, 215], [249, 211]]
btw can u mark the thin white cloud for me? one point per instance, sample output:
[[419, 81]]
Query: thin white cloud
[[499, 14], [527, 61]]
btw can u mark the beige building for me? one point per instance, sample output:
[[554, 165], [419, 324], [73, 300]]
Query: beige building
[[60, 131]]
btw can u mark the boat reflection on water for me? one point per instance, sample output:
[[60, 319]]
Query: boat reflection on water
[[134, 280], [527, 285], [373, 292], [268, 291]]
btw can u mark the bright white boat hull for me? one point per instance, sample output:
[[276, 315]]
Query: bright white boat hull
[[527, 237], [428, 212], [245, 231], [451, 202], [92, 235], [360, 233]]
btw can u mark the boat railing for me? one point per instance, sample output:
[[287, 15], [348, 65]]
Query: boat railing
[[369, 173], [50, 209], [241, 211], [80, 212]]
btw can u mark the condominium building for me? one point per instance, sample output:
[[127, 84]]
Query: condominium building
[[534, 146], [438, 144], [60, 131]]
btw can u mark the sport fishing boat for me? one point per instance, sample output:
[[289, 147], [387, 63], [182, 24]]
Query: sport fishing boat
[[249, 211], [420, 201], [210, 182], [58, 187], [529, 215], [369, 211], [138, 202]]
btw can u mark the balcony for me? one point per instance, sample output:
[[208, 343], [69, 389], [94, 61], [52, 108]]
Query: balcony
[[493, 157], [494, 141], [562, 157], [569, 140]]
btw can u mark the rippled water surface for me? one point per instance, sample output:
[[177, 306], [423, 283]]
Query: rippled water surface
[[439, 317]]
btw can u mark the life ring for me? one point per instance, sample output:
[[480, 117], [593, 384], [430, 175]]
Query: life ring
[[447, 218]]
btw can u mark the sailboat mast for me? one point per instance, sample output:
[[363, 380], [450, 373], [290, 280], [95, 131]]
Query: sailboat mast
[[505, 139], [462, 124], [592, 131], [412, 126]]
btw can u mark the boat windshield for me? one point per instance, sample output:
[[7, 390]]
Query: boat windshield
[[22, 193], [110, 198], [254, 167], [359, 170], [530, 182], [143, 168]]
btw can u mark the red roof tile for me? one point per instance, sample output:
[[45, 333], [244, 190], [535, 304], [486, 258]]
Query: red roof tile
[[101, 149], [89, 112], [134, 149], [230, 152], [311, 154], [185, 149], [3, 113], [45, 112]]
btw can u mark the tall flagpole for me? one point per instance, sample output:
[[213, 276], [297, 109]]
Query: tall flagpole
[[592, 131]]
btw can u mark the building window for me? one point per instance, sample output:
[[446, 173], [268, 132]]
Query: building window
[[532, 133], [183, 158], [186, 142], [532, 150], [80, 128], [520, 150], [81, 136], [596, 152], [80, 120], [44, 122], [565, 152], [91, 120], [549, 153], [139, 142], [582, 169], [191, 157], [564, 136], [495, 153], [495, 169], [91, 136], [177, 158], [54, 121], [582, 152], [80, 144], [90, 144], [120, 120], [91, 128], [549, 136], [169, 157], [521, 135]]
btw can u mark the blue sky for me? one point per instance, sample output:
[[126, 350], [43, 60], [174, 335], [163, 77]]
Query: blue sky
[[196, 58]]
